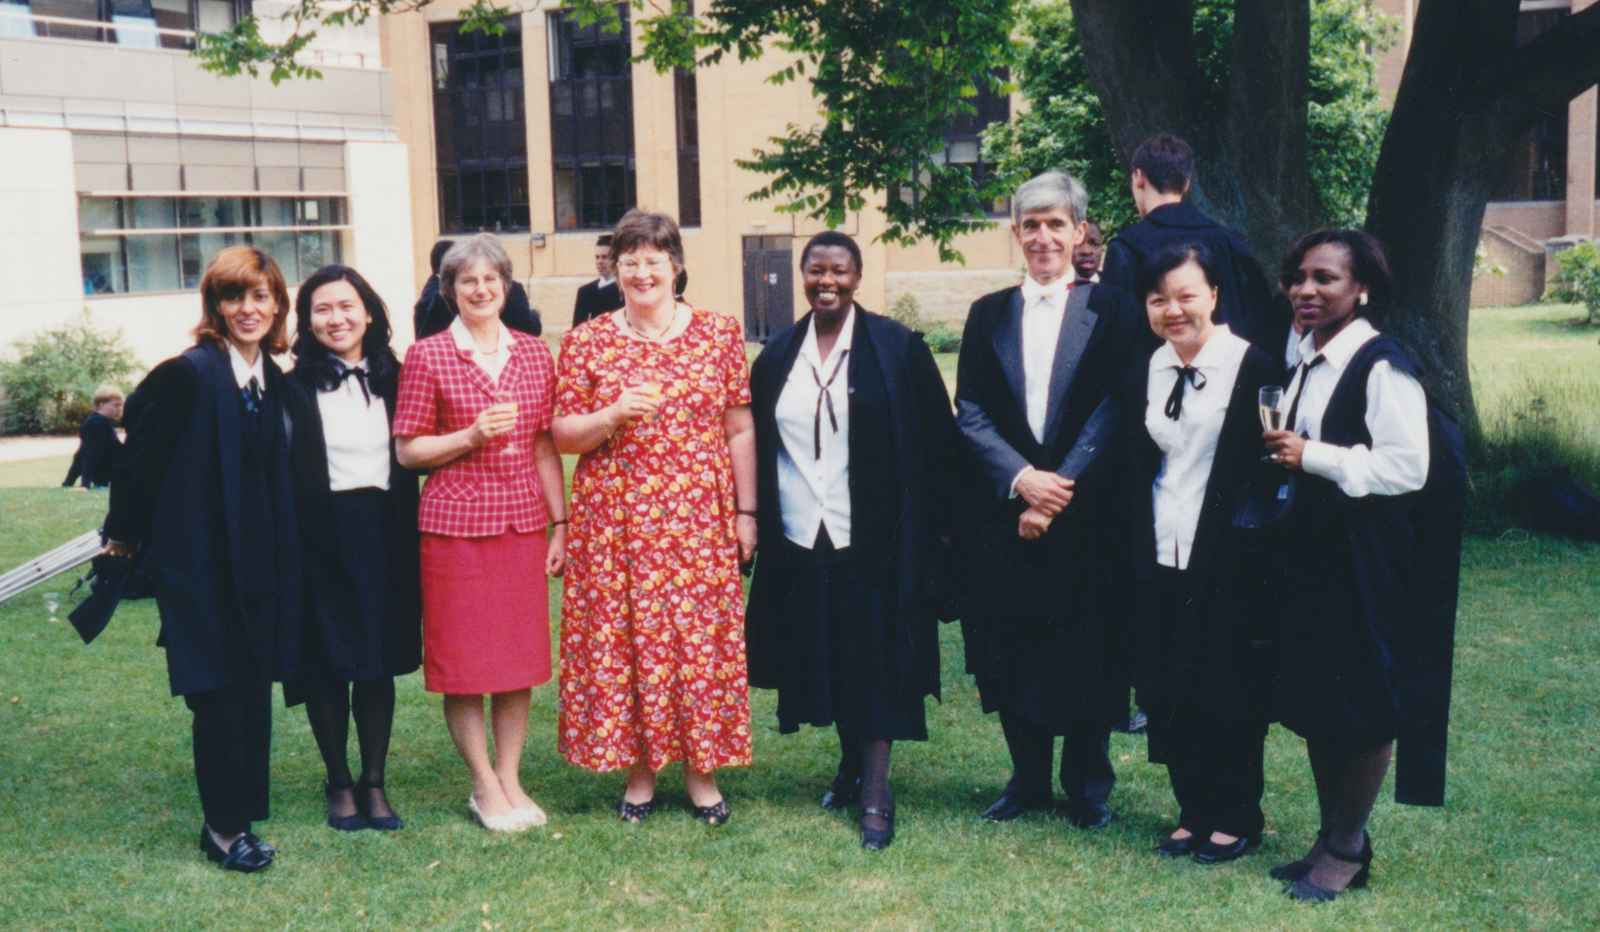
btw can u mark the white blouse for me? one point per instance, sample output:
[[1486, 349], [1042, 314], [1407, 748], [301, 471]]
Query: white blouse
[[493, 363], [813, 492], [356, 432], [1188, 444], [1397, 418]]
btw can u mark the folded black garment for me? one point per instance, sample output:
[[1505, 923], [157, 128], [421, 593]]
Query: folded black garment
[[111, 579]]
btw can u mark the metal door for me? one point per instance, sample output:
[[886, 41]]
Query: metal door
[[768, 286]]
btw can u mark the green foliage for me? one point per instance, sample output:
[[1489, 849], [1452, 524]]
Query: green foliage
[[49, 385], [906, 310], [1578, 278], [943, 338], [1065, 127]]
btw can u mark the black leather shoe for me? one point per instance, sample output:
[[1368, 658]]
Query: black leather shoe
[[244, 855], [1087, 814], [354, 822], [387, 823], [842, 795], [1209, 852], [1011, 805], [874, 839], [1177, 847], [1306, 891]]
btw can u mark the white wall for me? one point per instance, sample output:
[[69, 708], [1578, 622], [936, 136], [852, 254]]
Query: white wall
[[378, 181], [41, 277]]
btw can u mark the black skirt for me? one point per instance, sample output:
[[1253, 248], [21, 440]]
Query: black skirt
[[833, 646], [363, 621]]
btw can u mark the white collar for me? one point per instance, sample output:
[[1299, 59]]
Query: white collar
[[847, 330], [603, 281], [1336, 352], [465, 343], [1056, 291], [1209, 357], [243, 371]]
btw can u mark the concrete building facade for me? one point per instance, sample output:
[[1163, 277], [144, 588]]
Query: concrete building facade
[[124, 167]]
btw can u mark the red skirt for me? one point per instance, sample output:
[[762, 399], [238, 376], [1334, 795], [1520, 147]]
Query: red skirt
[[485, 613]]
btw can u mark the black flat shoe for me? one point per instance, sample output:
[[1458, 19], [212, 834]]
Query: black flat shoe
[[635, 812], [387, 823], [350, 823], [1013, 805], [1307, 891], [1176, 847], [1209, 852], [842, 795], [244, 855], [717, 813], [1088, 815], [875, 839], [1294, 870]]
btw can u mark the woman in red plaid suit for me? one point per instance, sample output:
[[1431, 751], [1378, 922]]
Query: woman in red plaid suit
[[475, 407]]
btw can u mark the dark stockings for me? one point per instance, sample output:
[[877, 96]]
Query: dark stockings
[[875, 792], [330, 710], [1348, 785]]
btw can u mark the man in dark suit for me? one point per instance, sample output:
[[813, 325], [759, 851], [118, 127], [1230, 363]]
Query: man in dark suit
[[1036, 380], [603, 294], [432, 313], [98, 444], [1162, 173]]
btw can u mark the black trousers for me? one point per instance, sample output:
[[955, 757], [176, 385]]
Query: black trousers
[[1086, 774], [1218, 782], [232, 753]]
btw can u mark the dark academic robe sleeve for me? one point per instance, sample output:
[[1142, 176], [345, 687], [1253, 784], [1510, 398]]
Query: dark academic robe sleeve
[[1120, 267], [518, 313], [156, 415]]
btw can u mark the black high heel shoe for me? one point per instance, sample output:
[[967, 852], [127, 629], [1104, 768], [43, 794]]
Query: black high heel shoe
[[350, 823], [1294, 870], [245, 855], [388, 823], [877, 839], [1306, 891], [718, 813]]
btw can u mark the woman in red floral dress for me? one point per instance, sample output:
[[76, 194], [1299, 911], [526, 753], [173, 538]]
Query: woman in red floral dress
[[656, 398]]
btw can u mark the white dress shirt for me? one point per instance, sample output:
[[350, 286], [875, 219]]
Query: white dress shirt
[[1291, 350], [355, 430], [812, 492], [1188, 444], [491, 363], [1044, 307], [1397, 418], [243, 371]]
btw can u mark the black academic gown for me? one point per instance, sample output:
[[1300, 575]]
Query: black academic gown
[[1246, 302], [1367, 644], [436, 315], [178, 497], [1207, 668], [595, 299], [95, 461], [332, 648], [904, 462], [1041, 639]]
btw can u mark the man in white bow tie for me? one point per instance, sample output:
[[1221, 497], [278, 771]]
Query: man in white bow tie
[[1039, 367]]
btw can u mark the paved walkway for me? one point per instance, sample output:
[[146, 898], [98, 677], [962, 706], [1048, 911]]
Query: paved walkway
[[16, 449]]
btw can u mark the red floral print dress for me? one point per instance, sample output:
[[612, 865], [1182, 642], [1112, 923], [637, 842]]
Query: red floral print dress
[[652, 613]]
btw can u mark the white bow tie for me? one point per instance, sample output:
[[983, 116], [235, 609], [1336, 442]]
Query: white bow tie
[[1033, 292]]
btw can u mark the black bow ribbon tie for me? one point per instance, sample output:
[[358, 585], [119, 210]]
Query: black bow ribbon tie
[[824, 398], [360, 376], [1187, 375]]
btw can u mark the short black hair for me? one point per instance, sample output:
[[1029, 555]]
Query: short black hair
[[603, 240], [1166, 161], [436, 256], [314, 364], [1171, 256], [1368, 264], [832, 238]]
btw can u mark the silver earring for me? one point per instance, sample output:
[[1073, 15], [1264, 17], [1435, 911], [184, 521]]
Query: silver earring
[[1362, 300]]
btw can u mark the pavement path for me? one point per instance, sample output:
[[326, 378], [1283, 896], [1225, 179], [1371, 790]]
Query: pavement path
[[17, 449]]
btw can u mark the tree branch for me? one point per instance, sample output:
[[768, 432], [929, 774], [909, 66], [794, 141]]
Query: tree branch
[[1544, 75]]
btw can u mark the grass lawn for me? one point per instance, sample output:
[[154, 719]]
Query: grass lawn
[[98, 812]]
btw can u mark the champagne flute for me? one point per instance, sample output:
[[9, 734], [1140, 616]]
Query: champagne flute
[[503, 395], [52, 604], [1269, 405], [650, 382]]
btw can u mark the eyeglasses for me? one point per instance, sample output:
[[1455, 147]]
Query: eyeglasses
[[653, 263]]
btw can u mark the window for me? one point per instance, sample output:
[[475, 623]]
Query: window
[[963, 143], [591, 123], [480, 129], [1537, 170], [688, 108], [132, 22], [141, 244]]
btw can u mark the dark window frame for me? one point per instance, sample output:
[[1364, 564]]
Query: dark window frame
[[592, 154], [480, 128], [1536, 168], [990, 107]]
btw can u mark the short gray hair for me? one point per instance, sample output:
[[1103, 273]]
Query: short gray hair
[[1049, 191], [464, 253]]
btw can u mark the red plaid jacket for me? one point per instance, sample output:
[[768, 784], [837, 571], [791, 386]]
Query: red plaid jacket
[[491, 489]]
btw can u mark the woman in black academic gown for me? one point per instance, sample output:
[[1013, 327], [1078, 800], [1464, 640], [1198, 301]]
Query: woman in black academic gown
[[855, 445], [358, 521], [1368, 586], [203, 495], [1194, 438]]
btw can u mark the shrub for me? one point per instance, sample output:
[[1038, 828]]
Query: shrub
[[1546, 433], [943, 338], [906, 310], [1578, 278], [49, 385]]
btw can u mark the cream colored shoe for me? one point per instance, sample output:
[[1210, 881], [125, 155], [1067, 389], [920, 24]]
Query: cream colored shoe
[[508, 823], [531, 816]]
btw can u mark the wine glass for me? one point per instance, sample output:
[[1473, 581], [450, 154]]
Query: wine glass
[[52, 604], [650, 382], [503, 395], [1269, 405]]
